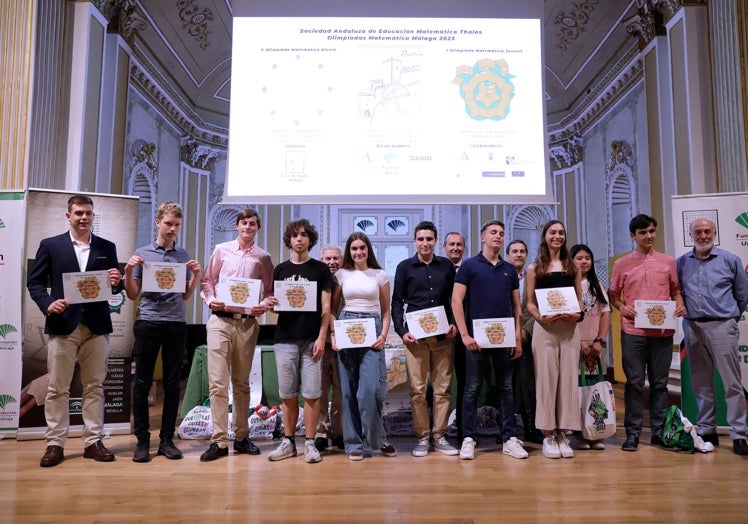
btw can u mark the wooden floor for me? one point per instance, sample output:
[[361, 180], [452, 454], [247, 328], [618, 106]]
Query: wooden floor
[[651, 485]]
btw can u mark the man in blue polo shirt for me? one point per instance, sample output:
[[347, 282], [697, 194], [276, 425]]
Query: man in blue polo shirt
[[486, 286], [422, 282], [160, 324], [715, 291]]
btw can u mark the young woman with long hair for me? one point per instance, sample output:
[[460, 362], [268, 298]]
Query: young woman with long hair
[[364, 291], [555, 343]]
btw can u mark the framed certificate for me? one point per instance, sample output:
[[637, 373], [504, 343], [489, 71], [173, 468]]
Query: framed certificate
[[427, 322], [655, 314], [86, 286], [295, 295], [495, 332], [355, 333], [239, 292], [164, 277], [557, 300]]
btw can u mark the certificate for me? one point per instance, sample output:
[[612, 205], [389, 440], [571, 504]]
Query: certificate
[[557, 300], [495, 332], [86, 286], [427, 322], [355, 333], [239, 292], [655, 314], [164, 277], [295, 295]]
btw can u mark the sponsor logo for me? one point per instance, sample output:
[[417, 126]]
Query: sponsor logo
[[6, 329], [6, 400]]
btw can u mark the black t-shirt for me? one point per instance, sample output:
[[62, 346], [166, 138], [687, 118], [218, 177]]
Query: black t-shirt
[[302, 325]]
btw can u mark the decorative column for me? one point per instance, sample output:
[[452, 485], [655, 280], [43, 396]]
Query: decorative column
[[727, 24], [17, 24]]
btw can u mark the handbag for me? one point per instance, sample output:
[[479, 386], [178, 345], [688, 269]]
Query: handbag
[[597, 406]]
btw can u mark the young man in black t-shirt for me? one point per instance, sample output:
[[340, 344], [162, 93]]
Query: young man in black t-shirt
[[300, 337]]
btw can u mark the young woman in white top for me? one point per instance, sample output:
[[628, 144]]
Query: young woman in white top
[[364, 291]]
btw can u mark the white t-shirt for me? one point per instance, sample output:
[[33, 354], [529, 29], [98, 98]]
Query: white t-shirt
[[361, 289]]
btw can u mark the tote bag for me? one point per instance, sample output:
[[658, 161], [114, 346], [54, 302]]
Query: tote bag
[[597, 406]]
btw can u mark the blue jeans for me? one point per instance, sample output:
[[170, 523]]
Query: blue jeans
[[475, 366], [361, 382], [150, 337], [650, 355]]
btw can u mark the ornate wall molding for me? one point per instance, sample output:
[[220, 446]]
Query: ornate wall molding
[[157, 90], [567, 154], [143, 152], [621, 152], [573, 23], [197, 155], [619, 81], [195, 20]]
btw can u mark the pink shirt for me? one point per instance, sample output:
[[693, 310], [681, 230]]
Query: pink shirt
[[637, 276], [229, 260]]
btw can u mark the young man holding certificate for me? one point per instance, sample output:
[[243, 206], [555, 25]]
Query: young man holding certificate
[[237, 273], [423, 288], [644, 275], [78, 328], [167, 277], [302, 301], [486, 294]]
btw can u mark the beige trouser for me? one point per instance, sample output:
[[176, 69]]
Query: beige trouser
[[91, 351], [556, 378], [430, 358], [231, 347]]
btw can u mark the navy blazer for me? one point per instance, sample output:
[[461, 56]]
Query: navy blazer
[[55, 256]]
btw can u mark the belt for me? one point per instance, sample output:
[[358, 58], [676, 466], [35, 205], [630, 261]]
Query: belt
[[235, 316], [706, 319]]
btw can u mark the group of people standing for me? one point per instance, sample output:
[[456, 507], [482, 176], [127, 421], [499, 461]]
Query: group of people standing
[[537, 376]]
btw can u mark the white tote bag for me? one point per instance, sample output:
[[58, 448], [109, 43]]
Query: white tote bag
[[597, 406]]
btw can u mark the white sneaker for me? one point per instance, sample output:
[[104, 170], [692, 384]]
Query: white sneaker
[[513, 448], [564, 447], [311, 453], [422, 448], [442, 445], [550, 448], [467, 451], [285, 450], [597, 445]]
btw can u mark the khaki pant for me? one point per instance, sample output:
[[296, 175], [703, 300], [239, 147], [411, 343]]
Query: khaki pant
[[556, 378], [231, 347], [430, 358], [91, 351]]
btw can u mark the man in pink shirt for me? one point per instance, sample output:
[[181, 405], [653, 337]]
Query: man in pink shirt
[[232, 333], [644, 274]]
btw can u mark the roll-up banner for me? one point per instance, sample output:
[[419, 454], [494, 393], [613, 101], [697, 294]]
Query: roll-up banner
[[729, 211]]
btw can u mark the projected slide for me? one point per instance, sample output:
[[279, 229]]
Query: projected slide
[[386, 110]]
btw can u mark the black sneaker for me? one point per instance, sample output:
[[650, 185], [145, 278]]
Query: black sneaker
[[214, 452], [141, 452], [246, 446], [632, 442], [338, 442], [320, 443], [739, 446], [169, 450], [711, 437]]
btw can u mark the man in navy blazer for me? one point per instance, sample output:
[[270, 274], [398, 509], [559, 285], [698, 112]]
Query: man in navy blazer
[[77, 332]]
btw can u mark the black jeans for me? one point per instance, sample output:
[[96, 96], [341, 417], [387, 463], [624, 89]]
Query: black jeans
[[171, 339]]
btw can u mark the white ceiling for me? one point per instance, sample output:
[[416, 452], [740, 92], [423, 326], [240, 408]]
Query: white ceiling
[[189, 43]]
